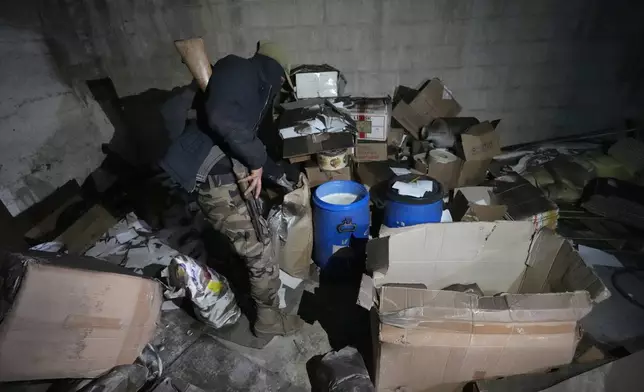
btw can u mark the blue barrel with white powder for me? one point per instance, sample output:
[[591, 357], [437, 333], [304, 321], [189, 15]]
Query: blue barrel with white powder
[[340, 211], [403, 209]]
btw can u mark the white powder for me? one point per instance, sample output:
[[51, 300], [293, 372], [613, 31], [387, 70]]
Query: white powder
[[340, 198]]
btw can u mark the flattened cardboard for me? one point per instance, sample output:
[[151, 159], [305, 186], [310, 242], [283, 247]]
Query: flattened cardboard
[[371, 151], [312, 144], [76, 323], [465, 205], [480, 142], [317, 177], [87, 229]]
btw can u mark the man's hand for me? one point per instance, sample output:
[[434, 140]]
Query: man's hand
[[255, 182]]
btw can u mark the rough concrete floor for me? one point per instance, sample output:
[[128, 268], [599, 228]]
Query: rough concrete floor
[[191, 353]]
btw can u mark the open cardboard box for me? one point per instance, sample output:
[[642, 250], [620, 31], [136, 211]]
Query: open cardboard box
[[429, 337], [474, 204], [479, 144], [415, 109]]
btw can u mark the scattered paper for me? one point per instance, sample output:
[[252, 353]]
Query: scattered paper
[[288, 280], [53, 246], [592, 257], [400, 171], [446, 217], [281, 294], [413, 189]]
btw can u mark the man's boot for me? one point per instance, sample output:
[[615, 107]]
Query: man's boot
[[273, 321]]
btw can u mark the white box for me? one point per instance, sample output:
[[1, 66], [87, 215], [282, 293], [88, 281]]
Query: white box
[[373, 117], [318, 85]]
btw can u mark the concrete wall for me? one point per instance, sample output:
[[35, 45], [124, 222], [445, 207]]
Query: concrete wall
[[547, 68], [50, 132]]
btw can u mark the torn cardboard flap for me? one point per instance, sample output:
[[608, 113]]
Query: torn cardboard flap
[[435, 100], [492, 254], [75, 322], [472, 204]]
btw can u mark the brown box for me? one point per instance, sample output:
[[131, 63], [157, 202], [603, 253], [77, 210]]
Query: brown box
[[429, 337], [371, 151], [312, 144], [433, 100], [475, 204], [373, 173], [479, 145], [87, 229], [317, 176], [480, 142], [73, 317]]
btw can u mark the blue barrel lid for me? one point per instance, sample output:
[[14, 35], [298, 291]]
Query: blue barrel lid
[[340, 186], [430, 197]]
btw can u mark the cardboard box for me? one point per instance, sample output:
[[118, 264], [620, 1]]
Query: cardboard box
[[319, 85], [433, 100], [87, 229], [480, 142], [475, 204], [73, 316], [372, 173], [312, 144], [396, 137], [372, 116], [477, 148], [371, 151], [317, 177], [429, 337]]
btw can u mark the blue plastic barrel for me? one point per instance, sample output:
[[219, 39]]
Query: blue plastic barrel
[[402, 210], [336, 221]]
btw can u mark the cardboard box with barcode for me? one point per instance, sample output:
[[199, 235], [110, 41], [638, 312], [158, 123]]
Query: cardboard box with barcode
[[476, 204], [536, 289], [414, 109], [372, 117], [72, 316], [479, 144]]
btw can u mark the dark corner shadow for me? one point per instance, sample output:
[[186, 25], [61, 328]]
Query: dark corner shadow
[[334, 305]]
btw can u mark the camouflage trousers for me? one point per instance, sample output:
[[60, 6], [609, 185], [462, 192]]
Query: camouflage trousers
[[221, 202]]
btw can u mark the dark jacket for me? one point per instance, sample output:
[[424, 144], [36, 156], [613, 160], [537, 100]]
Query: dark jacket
[[240, 92]]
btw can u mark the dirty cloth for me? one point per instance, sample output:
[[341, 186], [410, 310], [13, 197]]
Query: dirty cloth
[[223, 206], [210, 293]]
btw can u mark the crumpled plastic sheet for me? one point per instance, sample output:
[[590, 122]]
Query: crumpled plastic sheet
[[293, 216], [210, 293], [342, 371]]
